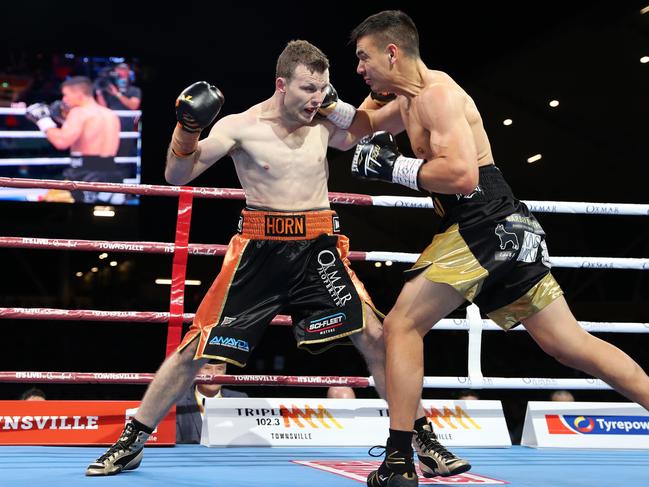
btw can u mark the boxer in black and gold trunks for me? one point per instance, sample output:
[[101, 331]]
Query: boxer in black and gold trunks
[[490, 249], [288, 256]]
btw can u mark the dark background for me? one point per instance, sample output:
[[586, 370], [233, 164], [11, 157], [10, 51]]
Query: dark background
[[511, 59]]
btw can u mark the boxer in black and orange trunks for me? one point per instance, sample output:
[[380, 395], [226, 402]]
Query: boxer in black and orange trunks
[[288, 256], [490, 249], [280, 263]]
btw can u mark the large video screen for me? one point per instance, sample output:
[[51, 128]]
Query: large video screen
[[69, 116]]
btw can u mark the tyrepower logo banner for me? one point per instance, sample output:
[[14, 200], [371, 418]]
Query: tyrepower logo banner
[[74, 423], [343, 422], [583, 425], [566, 424]]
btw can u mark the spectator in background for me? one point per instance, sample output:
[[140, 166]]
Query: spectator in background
[[562, 396], [33, 394], [114, 89], [190, 407], [468, 395], [340, 392]]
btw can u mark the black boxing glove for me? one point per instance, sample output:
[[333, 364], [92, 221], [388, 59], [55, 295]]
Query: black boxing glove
[[338, 112], [382, 97], [377, 158], [59, 111], [39, 113], [198, 105]]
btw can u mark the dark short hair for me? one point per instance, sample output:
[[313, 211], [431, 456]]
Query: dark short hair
[[390, 27], [300, 52], [34, 391], [81, 82]]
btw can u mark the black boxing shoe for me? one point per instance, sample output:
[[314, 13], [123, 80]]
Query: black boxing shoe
[[397, 469], [125, 454], [434, 459]]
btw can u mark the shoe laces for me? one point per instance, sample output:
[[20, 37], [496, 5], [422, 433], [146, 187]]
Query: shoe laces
[[393, 456], [121, 445], [429, 441], [380, 454]]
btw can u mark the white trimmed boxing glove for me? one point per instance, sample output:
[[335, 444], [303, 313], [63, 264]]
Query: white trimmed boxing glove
[[377, 158], [39, 113]]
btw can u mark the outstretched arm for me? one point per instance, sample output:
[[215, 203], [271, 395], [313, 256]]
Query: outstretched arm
[[371, 116]]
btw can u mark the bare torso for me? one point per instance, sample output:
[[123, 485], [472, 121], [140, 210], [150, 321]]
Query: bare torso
[[420, 137], [281, 169], [96, 129]]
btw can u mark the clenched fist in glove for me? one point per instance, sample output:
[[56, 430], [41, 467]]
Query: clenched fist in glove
[[198, 105], [338, 112], [382, 97], [377, 158], [39, 113], [196, 108]]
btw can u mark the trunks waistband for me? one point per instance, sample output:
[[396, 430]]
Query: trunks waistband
[[269, 225], [491, 186], [93, 163]]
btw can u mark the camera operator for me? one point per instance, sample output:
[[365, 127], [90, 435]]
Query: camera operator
[[114, 90]]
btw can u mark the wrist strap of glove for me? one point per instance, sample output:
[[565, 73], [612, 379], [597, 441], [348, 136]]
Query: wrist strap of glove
[[406, 170], [183, 143], [342, 115], [46, 123]]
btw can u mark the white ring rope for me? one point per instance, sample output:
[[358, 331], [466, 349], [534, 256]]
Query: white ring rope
[[512, 383], [22, 111], [572, 262], [56, 161], [37, 134], [590, 326], [578, 208]]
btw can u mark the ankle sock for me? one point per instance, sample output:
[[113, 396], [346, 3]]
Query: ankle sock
[[141, 427], [401, 440]]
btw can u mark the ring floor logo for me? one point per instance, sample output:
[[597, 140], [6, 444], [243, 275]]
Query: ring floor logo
[[566, 424]]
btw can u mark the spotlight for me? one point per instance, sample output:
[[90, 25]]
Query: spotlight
[[534, 158], [508, 121], [107, 211], [167, 282]]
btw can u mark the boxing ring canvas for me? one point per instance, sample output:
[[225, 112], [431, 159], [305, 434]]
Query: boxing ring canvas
[[194, 465]]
